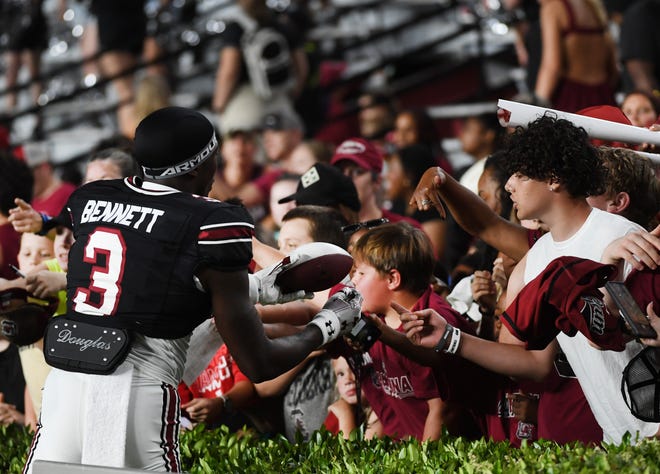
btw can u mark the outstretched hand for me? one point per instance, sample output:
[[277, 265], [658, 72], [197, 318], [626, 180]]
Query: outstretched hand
[[423, 328], [24, 218], [426, 193]]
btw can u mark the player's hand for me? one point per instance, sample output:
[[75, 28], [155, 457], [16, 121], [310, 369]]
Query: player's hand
[[426, 193], [24, 218], [45, 283], [339, 314], [640, 249], [423, 328], [264, 290]]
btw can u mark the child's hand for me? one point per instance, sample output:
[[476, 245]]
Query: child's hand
[[45, 283], [484, 291], [204, 410]]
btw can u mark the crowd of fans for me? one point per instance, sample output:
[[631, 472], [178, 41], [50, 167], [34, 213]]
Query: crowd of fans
[[452, 264]]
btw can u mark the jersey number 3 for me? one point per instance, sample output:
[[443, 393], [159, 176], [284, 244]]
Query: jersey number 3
[[105, 281]]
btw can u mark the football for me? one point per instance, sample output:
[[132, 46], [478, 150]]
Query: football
[[319, 266]]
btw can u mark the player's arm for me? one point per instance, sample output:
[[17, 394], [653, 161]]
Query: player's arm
[[238, 322], [470, 212]]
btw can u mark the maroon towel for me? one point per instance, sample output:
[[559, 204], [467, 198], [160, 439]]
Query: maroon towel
[[565, 297]]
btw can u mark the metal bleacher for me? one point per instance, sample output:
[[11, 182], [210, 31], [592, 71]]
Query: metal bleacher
[[405, 47]]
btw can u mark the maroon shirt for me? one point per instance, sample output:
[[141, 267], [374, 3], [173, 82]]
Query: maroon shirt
[[564, 414], [10, 243], [397, 388]]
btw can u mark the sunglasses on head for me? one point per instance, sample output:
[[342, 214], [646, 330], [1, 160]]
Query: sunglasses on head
[[352, 228]]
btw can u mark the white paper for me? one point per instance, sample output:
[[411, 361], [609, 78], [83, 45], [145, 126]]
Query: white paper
[[523, 114]]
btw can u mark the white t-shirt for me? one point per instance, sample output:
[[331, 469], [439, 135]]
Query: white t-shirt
[[470, 178], [599, 372]]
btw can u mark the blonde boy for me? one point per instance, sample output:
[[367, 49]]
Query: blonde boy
[[394, 264]]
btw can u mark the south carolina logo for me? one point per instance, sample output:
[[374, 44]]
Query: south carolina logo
[[593, 313], [351, 147]]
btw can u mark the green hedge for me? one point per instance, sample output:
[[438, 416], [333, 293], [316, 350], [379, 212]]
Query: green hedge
[[218, 451]]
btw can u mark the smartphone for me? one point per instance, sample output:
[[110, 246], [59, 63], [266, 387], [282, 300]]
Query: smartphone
[[630, 311]]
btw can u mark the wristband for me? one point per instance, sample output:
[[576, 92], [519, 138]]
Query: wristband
[[455, 341], [328, 323], [44, 220], [440, 346]]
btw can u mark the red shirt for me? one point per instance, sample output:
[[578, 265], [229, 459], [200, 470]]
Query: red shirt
[[564, 414], [399, 389], [53, 204], [10, 243], [217, 379], [331, 423], [266, 180], [502, 425]]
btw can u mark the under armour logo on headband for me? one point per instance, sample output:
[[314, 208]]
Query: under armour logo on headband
[[185, 166]]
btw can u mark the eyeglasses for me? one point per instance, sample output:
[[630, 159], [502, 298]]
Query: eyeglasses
[[352, 228]]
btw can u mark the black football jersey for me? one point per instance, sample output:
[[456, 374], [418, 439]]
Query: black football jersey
[[137, 249]]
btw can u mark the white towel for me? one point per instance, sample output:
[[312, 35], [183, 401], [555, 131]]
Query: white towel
[[204, 343], [106, 416]]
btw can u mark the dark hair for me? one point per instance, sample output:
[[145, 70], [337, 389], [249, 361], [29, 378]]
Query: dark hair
[[125, 162], [490, 122], [555, 149], [651, 98], [415, 160], [496, 164], [426, 132], [325, 223], [16, 181]]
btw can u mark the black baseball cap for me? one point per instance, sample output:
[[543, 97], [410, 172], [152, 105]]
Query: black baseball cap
[[325, 185]]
